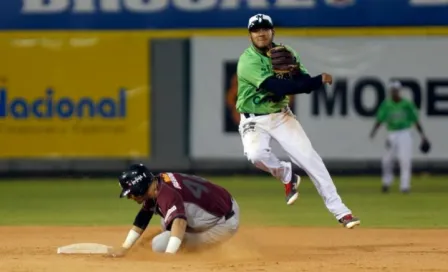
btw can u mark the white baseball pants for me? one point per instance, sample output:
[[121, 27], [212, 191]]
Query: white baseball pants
[[256, 133], [399, 146]]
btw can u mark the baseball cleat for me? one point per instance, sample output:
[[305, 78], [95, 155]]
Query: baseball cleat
[[349, 221], [405, 191], [291, 189]]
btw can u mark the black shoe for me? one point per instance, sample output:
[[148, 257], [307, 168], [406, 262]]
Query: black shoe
[[385, 189]]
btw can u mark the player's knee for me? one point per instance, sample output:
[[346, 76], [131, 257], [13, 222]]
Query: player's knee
[[386, 160], [258, 157], [160, 242]]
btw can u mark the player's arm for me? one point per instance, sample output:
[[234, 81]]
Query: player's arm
[[380, 118], [298, 85], [140, 224], [414, 116], [420, 129], [178, 228], [172, 205], [302, 81], [300, 73], [253, 71], [375, 128]]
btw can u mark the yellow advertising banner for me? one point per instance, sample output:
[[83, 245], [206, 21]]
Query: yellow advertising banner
[[74, 96]]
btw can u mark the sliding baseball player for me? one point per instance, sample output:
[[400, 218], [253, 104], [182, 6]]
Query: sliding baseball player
[[195, 212]]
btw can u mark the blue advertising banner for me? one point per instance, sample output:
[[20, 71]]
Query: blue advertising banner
[[187, 14]]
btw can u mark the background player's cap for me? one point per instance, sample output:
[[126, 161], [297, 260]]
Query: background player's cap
[[394, 85], [260, 21]]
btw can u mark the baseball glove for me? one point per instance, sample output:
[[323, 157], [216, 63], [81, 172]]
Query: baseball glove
[[283, 60], [425, 146]]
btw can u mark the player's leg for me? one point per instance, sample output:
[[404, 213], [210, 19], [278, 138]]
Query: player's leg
[[404, 146], [387, 162], [216, 235], [219, 233], [256, 143], [295, 142], [160, 242]]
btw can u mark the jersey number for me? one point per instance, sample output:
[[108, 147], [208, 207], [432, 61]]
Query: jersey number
[[194, 184]]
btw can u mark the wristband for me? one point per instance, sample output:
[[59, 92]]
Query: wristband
[[131, 238], [173, 245]]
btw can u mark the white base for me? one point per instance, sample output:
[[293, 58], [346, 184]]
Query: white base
[[84, 248]]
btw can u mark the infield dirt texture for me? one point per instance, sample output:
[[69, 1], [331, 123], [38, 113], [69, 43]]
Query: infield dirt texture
[[398, 233]]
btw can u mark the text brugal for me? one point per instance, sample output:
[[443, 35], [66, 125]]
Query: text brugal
[[142, 6]]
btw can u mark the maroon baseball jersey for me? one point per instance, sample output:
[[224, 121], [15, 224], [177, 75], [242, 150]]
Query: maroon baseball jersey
[[192, 198]]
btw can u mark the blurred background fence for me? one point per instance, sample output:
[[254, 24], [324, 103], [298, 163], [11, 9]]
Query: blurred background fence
[[89, 86]]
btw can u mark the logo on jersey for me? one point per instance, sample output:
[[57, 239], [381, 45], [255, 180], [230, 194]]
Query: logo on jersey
[[170, 178], [169, 212], [166, 178]]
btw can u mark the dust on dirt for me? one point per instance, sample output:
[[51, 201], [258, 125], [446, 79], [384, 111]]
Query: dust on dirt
[[252, 249]]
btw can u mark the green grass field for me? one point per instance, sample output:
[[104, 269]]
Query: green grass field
[[95, 203]]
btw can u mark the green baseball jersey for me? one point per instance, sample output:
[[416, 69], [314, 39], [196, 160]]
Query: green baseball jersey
[[252, 69], [397, 115]]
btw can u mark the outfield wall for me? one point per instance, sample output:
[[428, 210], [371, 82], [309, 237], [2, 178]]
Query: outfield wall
[[87, 87], [184, 121]]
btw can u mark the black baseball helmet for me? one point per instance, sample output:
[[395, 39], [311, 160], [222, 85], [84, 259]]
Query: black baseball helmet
[[135, 180]]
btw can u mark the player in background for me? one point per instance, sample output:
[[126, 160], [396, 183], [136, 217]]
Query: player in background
[[194, 211], [399, 114], [263, 105]]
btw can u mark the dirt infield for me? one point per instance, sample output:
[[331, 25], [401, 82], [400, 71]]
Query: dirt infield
[[252, 249]]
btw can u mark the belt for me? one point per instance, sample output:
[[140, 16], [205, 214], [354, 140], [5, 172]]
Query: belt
[[248, 115], [229, 215]]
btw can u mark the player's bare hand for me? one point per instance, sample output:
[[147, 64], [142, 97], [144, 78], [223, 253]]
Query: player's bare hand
[[327, 78], [116, 252]]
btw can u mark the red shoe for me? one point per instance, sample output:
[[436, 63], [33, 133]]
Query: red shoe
[[349, 221], [291, 189]]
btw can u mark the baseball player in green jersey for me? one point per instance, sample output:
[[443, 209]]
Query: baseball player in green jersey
[[400, 115], [267, 73]]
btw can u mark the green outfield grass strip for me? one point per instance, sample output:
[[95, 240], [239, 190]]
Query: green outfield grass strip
[[93, 202]]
